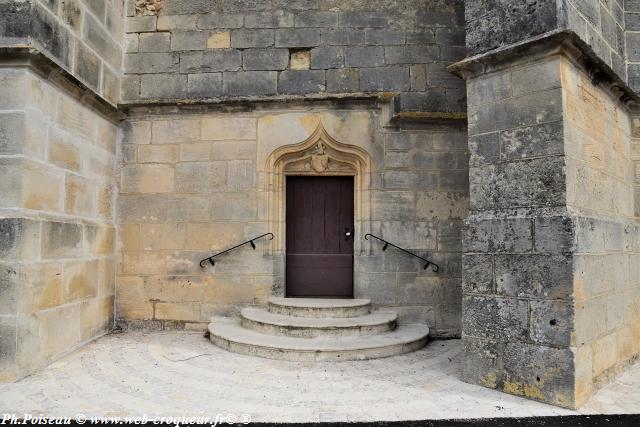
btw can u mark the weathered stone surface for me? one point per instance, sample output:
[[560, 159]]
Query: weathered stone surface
[[328, 57], [41, 187], [410, 54], [301, 81], [422, 180], [200, 177], [140, 24], [484, 149], [234, 206], [233, 128], [433, 99], [500, 186], [15, 19], [20, 239], [364, 57], [188, 208], [250, 83], [48, 33], [163, 85], [61, 240], [207, 62], [8, 348], [397, 205], [499, 235], [204, 85], [97, 37], [87, 65], [540, 373], [506, 23], [12, 131], [534, 276], [299, 59], [418, 75], [155, 42], [265, 59], [477, 276], [141, 63], [551, 323], [343, 80], [142, 208], [173, 131], [218, 21], [316, 19], [79, 196], [481, 359], [73, 117], [442, 205], [277, 19], [241, 175], [297, 37], [554, 234], [503, 319], [243, 39], [158, 153], [79, 280], [187, 7], [342, 37], [535, 78], [219, 40], [384, 79], [360, 19], [535, 141]]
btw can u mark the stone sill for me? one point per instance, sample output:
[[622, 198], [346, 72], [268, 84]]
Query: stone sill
[[564, 42], [383, 100], [32, 58]]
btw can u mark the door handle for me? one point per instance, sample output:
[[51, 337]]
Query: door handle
[[347, 234]]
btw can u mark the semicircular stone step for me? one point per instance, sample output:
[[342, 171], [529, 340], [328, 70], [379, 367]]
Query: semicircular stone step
[[319, 307], [230, 335], [264, 321]]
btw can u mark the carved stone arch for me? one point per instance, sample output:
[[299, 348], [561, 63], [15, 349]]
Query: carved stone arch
[[318, 155]]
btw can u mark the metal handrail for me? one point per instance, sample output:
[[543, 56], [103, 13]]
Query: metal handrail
[[253, 245], [387, 244]]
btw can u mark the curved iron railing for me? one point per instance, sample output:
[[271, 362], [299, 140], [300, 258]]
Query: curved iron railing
[[250, 242], [387, 244]]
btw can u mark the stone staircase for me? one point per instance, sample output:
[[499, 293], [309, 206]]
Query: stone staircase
[[311, 329]]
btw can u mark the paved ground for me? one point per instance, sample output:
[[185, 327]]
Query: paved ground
[[177, 373]]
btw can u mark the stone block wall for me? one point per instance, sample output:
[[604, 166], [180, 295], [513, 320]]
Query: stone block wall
[[517, 267], [606, 236], [84, 37], [549, 283], [492, 24], [632, 34], [601, 24], [57, 161], [193, 184], [635, 156], [230, 49]]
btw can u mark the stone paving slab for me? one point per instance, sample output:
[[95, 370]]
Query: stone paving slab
[[183, 374]]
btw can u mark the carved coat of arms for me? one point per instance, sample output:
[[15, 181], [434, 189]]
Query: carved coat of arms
[[319, 159]]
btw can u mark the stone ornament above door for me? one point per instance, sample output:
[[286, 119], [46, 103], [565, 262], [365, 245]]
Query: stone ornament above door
[[318, 155]]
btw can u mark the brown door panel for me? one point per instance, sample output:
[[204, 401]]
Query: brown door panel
[[319, 251], [319, 275]]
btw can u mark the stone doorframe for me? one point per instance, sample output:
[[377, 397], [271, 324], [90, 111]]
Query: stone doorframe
[[318, 155]]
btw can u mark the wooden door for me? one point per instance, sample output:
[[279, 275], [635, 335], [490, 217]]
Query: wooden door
[[319, 237]]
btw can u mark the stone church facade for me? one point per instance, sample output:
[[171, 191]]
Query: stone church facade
[[496, 138]]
